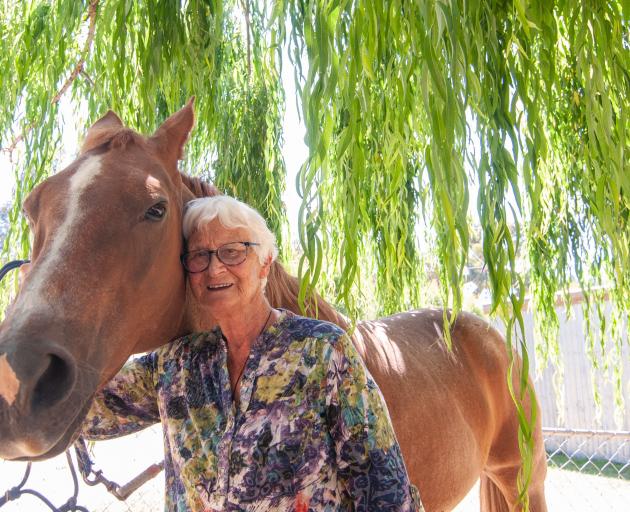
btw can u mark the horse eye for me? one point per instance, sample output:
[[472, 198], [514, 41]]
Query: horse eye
[[156, 212]]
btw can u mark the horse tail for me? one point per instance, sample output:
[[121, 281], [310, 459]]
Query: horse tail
[[490, 496]]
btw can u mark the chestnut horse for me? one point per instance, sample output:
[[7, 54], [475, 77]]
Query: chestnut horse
[[105, 282]]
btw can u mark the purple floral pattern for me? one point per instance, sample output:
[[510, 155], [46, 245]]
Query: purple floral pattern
[[311, 431]]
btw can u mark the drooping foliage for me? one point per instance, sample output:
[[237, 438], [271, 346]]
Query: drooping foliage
[[417, 113], [144, 60]]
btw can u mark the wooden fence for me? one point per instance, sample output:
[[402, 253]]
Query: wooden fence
[[568, 401]]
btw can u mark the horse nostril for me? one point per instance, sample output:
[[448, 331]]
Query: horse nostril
[[54, 384]]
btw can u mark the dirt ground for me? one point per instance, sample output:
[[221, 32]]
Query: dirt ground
[[122, 459]]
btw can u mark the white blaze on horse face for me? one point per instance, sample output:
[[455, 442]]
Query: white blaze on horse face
[[9, 383], [50, 262], [153, 184]]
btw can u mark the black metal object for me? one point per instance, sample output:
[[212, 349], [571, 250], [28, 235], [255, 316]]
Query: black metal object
[[90, 477], [69, 506], [96, 477], [10, 266]]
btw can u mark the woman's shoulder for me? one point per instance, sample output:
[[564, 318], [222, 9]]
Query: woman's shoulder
[[300, 327]]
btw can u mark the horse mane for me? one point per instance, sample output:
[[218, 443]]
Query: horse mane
[[282, 292], [198, 187], [282, 288]]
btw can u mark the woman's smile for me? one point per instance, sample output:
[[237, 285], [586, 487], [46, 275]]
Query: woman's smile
[[218, 287]]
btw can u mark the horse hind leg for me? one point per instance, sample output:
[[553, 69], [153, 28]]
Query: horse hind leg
[[493, 498], [499, 481], [498, 485]]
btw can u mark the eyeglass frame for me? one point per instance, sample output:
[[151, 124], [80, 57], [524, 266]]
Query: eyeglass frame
[[216, 254]]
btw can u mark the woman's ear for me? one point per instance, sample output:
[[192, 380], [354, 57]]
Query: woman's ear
[[266, 267], [22, 273]]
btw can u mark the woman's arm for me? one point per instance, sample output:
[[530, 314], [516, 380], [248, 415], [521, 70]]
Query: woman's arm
[[127, 403], [369, 460]]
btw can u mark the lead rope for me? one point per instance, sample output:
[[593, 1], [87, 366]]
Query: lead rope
[[85, 464], [69, 506]]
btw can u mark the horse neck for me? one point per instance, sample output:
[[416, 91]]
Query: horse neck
[[282, 288], [282, 292]]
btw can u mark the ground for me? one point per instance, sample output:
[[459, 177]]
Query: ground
[[569, 491], [122, 459]]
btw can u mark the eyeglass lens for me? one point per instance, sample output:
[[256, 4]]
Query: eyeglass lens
[[228, 254]]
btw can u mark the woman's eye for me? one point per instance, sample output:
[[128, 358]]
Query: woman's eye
[[156, 212]]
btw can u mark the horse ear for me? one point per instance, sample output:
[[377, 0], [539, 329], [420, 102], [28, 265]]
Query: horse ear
[[106, 124], [170, 137]]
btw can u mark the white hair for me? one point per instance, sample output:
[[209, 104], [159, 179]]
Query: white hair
[[232, 214]]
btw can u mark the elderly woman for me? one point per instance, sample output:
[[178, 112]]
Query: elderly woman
[[269, 410]]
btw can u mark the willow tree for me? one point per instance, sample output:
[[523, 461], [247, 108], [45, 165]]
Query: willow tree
[[408, 106]]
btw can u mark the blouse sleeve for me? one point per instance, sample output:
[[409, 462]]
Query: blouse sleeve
[[127, 404], [370, 463]]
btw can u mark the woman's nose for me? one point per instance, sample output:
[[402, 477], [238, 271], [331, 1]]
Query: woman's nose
[[215, 266]]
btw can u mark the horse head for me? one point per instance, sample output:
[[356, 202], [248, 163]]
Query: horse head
[[104, 281]]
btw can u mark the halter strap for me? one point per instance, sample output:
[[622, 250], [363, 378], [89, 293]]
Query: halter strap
[[10, 266]]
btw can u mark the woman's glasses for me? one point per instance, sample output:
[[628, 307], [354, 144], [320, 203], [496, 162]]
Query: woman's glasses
[[230, 254]]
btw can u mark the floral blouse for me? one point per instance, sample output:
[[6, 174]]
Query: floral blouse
[[311, 431]]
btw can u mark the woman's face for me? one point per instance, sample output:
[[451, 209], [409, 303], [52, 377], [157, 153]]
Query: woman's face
[[222, 288]]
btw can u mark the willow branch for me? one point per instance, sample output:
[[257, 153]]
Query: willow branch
[[86, 50], [78, 69], [11, 147], [245, 4], [87, 77]]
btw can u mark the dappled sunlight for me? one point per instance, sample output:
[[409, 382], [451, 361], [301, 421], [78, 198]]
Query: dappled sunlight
[[389, 355]]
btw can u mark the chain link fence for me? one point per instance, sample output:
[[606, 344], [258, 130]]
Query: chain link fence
[[588, 470], [593, 452]]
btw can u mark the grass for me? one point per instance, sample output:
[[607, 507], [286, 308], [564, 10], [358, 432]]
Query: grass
[[601, 467]]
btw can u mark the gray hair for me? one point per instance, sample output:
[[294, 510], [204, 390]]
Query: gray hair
[[233, 214]]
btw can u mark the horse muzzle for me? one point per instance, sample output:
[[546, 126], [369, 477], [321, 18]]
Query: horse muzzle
[[38, 381]]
